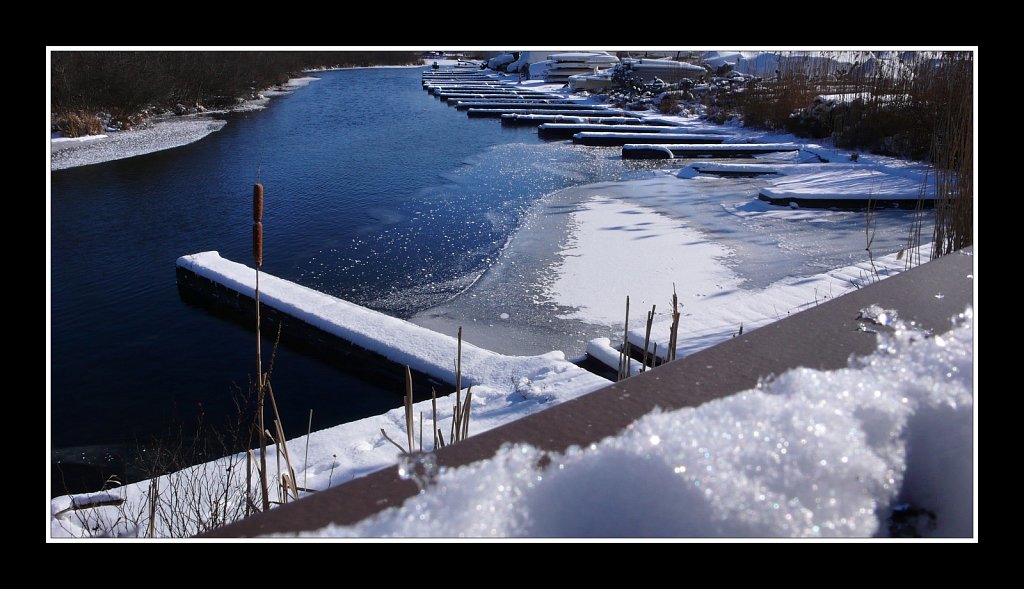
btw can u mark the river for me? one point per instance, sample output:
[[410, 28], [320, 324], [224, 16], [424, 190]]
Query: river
[[375, 192]]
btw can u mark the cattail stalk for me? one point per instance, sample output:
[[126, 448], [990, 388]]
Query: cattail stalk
[[257, 254]]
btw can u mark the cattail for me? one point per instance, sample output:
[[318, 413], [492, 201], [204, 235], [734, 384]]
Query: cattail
[[257, 243], [257, 203]]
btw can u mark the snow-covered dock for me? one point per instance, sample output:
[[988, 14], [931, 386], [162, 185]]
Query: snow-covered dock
[[366, 333], [616, 138], [567, 130], [511, 102], [848, 186], [455, 97], [527, 120], [496, 113], [534, 104], [735, 170], [666, 152]]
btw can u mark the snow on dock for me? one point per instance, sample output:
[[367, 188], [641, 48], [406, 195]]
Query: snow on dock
[[513, 102], [615, 138], [848, 186], [649, 151], [735, 170], [524, 120], [533, 109], [395, 339], [567, 130], [536, 104]]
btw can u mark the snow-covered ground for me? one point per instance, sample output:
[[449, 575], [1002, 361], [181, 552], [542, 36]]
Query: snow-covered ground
[[883, 446], [158, 134]]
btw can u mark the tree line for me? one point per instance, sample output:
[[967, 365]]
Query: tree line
[[124, 83]]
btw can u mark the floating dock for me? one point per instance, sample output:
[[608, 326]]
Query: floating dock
[[536, 104], [496, 113], [614, 138], [365, 341], [735, 170], [528, 120], [665, 152], [567, 130]]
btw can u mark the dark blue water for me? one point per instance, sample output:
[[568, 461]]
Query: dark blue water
[[375, 191]]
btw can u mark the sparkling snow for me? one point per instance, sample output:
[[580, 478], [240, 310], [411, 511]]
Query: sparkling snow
[[808, 454]]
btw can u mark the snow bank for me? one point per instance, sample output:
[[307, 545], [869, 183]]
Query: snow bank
[[809, 454], [161, 134], [290, 86], [59, 138]]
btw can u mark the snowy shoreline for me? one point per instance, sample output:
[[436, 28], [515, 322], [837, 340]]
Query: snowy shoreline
[[158, 134], [586, 277]]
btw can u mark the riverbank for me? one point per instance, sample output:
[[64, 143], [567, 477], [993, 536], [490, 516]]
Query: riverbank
[[157, 134]]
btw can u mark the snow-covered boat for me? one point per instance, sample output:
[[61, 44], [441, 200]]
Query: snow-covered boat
[[565, 65]]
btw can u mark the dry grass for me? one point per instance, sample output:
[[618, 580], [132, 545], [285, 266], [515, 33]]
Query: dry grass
[[460, 412], [894, 105], [953, 154], [649, 358], [79, 124]]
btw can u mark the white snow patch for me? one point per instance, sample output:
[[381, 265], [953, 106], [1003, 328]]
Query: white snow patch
[[713, 317], [809, 454], [619, 249], [162, 133], [290, 86], [58, 138]]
